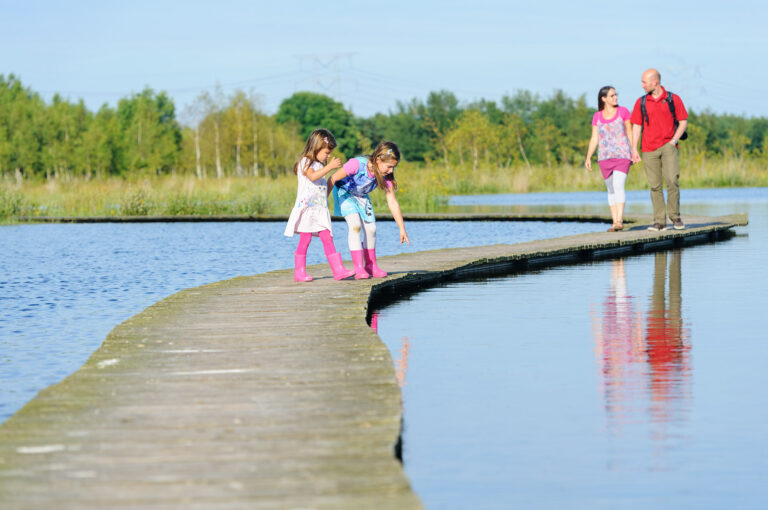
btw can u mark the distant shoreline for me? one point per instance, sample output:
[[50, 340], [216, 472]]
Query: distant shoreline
[[423, 189]]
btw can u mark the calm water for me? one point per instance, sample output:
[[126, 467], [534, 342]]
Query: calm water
[[64, 287], [635, 383]]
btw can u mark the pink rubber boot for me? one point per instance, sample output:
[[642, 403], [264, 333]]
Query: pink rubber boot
[[370, 264], [359, 264], [339, 271], [300, 268]]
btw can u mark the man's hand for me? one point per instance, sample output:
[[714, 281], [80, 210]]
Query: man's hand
[[636, 156]]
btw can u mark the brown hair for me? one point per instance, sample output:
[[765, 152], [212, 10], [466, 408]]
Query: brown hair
[[601, 95], [388, 152], [318, 140]]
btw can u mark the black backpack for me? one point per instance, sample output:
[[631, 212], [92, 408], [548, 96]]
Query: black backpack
[[670, 103]]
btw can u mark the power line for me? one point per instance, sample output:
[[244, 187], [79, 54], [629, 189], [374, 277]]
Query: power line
[[320, 64]]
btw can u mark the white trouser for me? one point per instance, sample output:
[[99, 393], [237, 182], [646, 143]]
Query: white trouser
[[356, 226], [615, 184]]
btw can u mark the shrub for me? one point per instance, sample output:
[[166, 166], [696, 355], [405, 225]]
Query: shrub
[[11, 203], [135, 202]]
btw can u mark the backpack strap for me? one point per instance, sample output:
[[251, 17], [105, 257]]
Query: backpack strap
[[670, 100], [671, 104]]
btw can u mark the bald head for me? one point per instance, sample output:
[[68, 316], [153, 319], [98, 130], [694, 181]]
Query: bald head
[[651, 81], [652, 74]]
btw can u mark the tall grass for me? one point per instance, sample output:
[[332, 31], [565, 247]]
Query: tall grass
[[694, 173], [423, 188], [158, 196]]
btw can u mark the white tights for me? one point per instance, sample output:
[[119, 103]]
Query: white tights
[[356, 226], [615, 184]]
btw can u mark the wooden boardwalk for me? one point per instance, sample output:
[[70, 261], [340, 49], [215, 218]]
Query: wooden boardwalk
[[219, 397]]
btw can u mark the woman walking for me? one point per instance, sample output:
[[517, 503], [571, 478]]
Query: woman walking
[[612, 137]]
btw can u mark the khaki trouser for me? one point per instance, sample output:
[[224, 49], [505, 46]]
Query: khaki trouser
[[661, 167]]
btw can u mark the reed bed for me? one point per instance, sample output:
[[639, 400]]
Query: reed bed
[[423, 189]]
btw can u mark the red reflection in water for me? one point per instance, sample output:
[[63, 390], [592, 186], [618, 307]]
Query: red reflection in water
[[401, 364], [645, 362], [667, 342]]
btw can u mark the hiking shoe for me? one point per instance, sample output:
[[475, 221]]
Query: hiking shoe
[[657, 226], [678, 224]]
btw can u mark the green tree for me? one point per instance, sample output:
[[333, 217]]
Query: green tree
[[473, 135], [102, 144], [513, 134], [151, 135], [21, 115], [62, 132], [406, 127], [310, 111]]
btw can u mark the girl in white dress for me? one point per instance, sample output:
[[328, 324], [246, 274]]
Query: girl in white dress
[[310, 215]]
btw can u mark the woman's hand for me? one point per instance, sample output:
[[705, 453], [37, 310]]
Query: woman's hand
[[588, 164]]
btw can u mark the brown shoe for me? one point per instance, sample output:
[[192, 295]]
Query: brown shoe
[[678, 224], [657, 226], [612, 229]]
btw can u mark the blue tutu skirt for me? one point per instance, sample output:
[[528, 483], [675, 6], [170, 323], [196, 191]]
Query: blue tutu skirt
[[345, 203]]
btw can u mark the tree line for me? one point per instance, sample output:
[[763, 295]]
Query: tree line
[[222, 135]]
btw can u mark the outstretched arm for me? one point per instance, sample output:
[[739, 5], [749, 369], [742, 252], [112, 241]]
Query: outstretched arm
[[394, 208], [336, 177]]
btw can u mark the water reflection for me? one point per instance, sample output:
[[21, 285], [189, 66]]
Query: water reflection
[[619, 348], [668, 344], [645, 362], [502, 409], [401, 363]]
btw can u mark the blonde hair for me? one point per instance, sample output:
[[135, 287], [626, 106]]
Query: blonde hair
[[386, 152], [318, 140]]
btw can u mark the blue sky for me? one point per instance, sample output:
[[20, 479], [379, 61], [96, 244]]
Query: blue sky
[[370, 55]]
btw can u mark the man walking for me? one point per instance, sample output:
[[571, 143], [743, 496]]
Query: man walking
[[662, 119]]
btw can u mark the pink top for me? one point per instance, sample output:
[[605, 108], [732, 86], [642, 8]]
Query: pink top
[[353, 165], [620, 111], [612, 136]]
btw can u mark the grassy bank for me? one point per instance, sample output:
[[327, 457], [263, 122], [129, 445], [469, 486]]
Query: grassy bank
[[422, 189]]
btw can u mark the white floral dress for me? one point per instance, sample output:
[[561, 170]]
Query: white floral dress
[[310, 213]]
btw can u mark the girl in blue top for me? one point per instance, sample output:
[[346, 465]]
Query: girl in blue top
[[351, 186]]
